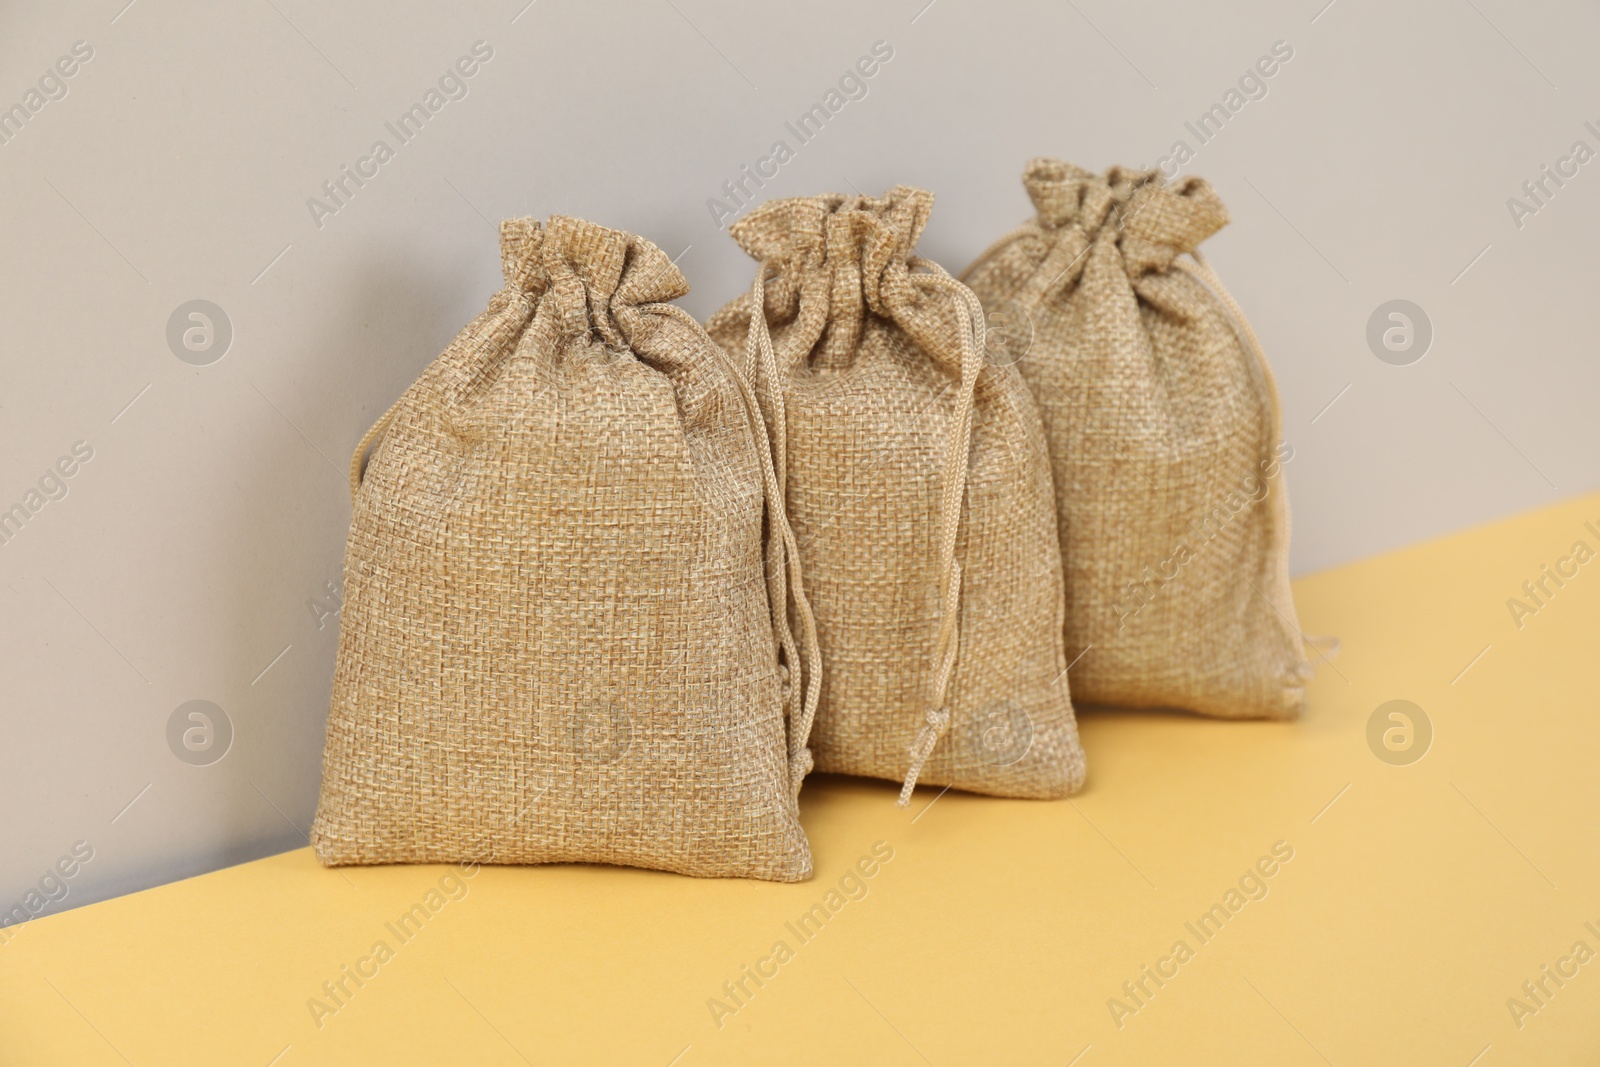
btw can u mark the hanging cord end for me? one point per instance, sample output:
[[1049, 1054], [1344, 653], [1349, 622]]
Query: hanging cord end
[[947, 640], [1325, 645], [938, 720]]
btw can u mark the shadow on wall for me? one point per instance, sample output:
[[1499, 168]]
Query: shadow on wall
[[241, 763], [398, 314]]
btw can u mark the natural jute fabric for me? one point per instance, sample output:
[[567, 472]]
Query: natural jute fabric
[[557, 640], [918, 484], [1165, 435]]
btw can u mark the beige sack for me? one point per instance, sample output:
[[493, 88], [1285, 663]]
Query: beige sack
[[557, 641], [918, 483], [1165, 435]]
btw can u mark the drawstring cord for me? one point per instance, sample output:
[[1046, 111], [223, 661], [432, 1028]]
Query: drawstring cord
[[1201, 270], [947, 640], [782, 564], [762, 359], [358, 461], [771, 427]]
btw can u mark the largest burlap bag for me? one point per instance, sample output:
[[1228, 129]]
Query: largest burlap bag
[[1166, 439], [918, 483], [557, 640]]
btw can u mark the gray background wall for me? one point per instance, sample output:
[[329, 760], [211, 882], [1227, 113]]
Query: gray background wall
[[191, 555]]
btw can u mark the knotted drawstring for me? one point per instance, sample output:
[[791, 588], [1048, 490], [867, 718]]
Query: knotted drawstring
[[1200, 269], [947, 640]]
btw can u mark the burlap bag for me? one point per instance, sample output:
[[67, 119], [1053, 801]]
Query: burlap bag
[[557, 640], [1165, 434], [918, 485]]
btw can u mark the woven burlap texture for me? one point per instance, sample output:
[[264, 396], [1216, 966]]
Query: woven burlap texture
[[1165, 436], [557, 642], [864, 399]]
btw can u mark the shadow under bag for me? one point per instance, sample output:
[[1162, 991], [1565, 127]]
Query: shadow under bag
[[558, 638], [918, 483], [1166, 438]]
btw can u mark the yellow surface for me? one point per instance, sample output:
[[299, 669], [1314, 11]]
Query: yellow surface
[[1418, 900]]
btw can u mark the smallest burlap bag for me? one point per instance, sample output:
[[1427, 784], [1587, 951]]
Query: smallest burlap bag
[[558, 636], [916, 476], [1166, 439]]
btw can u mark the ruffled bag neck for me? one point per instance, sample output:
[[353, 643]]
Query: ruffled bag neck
[[1150, 222], [587, 281], [831, 260]]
